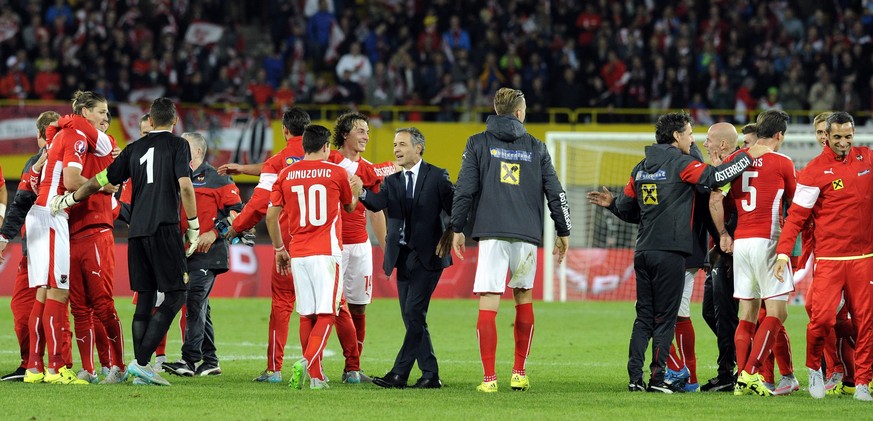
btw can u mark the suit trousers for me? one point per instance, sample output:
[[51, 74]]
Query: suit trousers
[[415, 285]]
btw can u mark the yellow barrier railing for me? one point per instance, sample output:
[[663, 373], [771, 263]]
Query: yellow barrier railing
[[584, 116]]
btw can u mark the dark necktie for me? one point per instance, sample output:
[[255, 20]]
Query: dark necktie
[[409, 185]]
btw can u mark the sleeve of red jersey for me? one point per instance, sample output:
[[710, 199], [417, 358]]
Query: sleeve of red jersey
[[126, 191], [805, 196], [277, 198], [2, 180], [99, 143], [256, 208], [73, 152], [696, 172], [369, 176], [230, 195]]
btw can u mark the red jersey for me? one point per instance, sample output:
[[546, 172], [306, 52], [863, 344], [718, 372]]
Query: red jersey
[[355, 223], [311, 194], [758, 194], [98, 211], [68, 148], [838, 194], [256, 207]]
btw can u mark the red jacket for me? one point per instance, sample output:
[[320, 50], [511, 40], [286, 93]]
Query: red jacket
[[838, 195]]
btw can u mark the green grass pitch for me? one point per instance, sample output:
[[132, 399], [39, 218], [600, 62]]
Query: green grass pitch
[[577, 371]]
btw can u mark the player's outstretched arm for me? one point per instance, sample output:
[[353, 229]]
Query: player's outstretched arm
[[70, 198], [237, 169]]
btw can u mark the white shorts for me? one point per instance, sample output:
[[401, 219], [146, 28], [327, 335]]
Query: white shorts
[[357, 270], [754, 259], [317, 283], [48, 248], [496, 256], [685, 304]]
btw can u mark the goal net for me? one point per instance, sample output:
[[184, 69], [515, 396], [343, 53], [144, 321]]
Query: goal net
[[599, 264]]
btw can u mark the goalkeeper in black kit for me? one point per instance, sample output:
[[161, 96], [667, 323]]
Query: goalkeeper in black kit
[[159, 168], [659, 196]]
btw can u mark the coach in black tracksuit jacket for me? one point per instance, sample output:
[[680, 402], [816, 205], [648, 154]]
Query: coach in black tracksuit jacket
[[662, 187]]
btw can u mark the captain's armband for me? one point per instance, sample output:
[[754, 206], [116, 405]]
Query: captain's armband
[[102, 178]]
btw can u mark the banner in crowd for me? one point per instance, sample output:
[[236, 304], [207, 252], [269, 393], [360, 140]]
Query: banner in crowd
[[232, 136], [589, 277], [18, 127]]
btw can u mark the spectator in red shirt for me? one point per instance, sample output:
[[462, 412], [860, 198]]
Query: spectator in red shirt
[[47, 82], [15, 83], [260, 92]]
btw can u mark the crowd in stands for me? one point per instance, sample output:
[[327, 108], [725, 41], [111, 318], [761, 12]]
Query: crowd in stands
[[741, 55]]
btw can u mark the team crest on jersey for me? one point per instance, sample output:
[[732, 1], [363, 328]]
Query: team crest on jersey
[[290, 160], [185, 278], [63, 279], [650, 194], [80, 147], [510, 173], [837, 184], [859, 157]]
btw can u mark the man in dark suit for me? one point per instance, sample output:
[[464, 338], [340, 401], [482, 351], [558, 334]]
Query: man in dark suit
[[414, 199]]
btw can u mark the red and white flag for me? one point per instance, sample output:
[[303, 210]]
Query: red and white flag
[[203, 33]]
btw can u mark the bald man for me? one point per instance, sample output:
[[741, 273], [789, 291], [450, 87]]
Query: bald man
[[719, 307]]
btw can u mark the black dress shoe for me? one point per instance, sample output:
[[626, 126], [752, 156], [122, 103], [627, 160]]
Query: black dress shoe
[[390, 381], [429, 383]]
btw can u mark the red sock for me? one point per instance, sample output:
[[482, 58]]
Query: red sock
[[486, 330], [162, 347], [53, 317], [348, 339], [768, 364], [524, 330], [674, 361], [85, 341], [685, 339], [360, 321], [317, 340], [37, 337], [782, 352], [67, 344], [743, 342], [306, 325], [762, 345]]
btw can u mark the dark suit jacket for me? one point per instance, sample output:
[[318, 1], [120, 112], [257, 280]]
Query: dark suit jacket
[[433, 194]]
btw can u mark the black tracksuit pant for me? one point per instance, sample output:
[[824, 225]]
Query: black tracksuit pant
[[720, 310], [660, 281]]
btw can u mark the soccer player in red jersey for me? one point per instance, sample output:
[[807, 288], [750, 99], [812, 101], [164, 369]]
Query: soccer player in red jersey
[[92, 262], [351, 135], [293, 123], [311, 194], [835, 191], [22, 295], [758, 197], [48, 239]]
